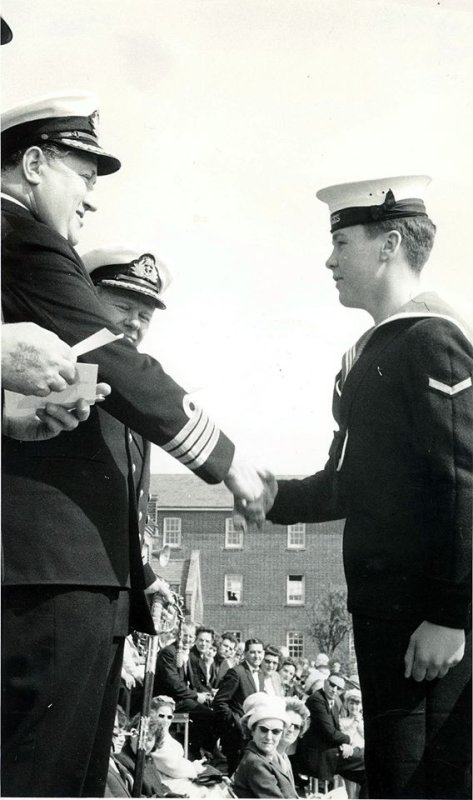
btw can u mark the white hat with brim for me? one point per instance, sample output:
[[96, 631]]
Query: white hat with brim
[[336, 680], [270, 708], [363, 202], [130, 268], [253, 700], [353, 694], [67, 119]]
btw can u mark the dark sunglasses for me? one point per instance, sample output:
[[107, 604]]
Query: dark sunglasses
[[335, 686], [165, 716], [274, 731]]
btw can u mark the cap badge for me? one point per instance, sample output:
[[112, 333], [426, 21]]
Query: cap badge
[[94, 123], [145, 267]]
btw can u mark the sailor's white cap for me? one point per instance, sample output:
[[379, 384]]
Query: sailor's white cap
[[125, 266], [374, 200], [70, 120]]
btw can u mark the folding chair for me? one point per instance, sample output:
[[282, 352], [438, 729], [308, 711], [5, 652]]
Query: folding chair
[[182, 721]]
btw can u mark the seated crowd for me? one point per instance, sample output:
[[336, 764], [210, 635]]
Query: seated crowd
[[260, 724]]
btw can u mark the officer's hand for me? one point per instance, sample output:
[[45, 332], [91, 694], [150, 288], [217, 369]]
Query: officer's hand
[[346, 750], [432, 651], [128, 679], [254, 511], [51, 420], [35, 361], [161, 587]]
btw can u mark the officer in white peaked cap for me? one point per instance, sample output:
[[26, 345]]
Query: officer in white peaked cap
[[71, 521], [400, 472], [70, 120]]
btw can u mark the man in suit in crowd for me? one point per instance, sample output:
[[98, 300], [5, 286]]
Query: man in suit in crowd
[[201, 660], [225, 656], [73, 589], [270, 669], [176, 676], [324, 750], [400, 473], [237, 684]]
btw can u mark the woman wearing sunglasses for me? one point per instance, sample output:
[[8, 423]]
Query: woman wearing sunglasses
[[260, 773], [168, 754], [168, 757]]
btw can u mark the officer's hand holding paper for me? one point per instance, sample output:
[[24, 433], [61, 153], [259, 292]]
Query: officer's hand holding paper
[[33, 418], [35, 360]]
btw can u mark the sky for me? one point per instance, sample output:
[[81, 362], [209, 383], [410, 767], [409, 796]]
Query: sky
[[228, 116]]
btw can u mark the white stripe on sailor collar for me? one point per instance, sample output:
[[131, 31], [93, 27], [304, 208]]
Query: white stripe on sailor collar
[[13, 200], [421, 315]]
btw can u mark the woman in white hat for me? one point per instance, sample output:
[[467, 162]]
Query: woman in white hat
[[260, 772]]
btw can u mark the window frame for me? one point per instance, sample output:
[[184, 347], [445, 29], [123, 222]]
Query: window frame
[[291, 644], [174, 545], [226, 578], [290, 530], [292, 602], [229, 530]]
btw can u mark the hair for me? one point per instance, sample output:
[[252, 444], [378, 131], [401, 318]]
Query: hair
[[205, 630], [50, 150], [252, 641], [189, 624], [417, 237], [298, 707], [288, 662], [230, 637], [162, 700], [270, 650]]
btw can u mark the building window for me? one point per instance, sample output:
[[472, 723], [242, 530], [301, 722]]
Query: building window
[[296, 536], [172, 531], [295, 590], [295, 644], [233, 538], [232, 589]]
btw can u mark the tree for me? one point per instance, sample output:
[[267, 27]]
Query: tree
[[329, 620]]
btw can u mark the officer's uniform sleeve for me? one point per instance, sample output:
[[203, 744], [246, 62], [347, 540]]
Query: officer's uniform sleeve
[[438, 386], [44, 282]]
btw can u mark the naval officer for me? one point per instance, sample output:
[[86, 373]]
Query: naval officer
[[130, 282], [73, 573]]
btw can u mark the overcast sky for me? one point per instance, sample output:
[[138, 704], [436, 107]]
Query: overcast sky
[[228, 115]]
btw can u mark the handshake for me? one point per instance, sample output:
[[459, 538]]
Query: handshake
[[254, 490]]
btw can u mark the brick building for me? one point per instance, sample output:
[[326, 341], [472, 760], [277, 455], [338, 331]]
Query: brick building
[[255, 584]]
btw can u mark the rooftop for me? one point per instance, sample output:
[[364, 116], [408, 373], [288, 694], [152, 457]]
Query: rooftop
[[188, 491]]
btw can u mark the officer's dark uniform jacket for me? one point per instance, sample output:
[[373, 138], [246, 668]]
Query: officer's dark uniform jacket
[[400, 470], [76, 491]]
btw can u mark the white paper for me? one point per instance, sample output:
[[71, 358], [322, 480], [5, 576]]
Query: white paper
[[104, 336], [20, 405]]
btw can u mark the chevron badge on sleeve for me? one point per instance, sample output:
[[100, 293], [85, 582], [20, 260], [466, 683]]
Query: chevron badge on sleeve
[[445, 388]]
